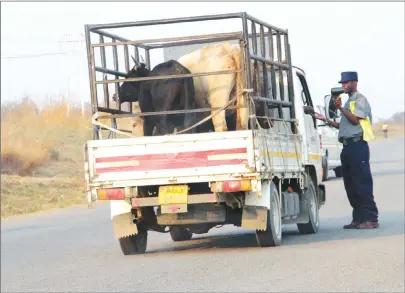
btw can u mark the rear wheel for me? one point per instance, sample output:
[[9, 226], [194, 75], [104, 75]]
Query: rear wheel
[[180, 234], [312, 226], [134, 244], [338, 172], [273, 233]]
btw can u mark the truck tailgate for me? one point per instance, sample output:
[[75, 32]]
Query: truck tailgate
[[185, 158]]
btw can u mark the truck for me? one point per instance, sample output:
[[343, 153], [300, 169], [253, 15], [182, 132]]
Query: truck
[[184, 184]]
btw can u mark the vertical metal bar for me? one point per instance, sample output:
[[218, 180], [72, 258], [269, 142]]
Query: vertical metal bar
[[93, 87], [90, 63], [256, 77], [126, 58], [104, 65], [147, 57], [290, 81], [115, 56], [248, 77], [265, 81], [272, 70], [136, 53], [280, 74]]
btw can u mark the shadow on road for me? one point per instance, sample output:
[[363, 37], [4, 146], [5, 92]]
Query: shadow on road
[[391, 223]]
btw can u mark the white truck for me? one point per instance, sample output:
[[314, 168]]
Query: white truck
[[252, 178], [330, 145]]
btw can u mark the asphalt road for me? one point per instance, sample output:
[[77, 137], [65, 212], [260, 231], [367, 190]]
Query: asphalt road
[[74, 250]]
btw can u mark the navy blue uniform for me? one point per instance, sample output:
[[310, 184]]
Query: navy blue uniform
[[355, 158]]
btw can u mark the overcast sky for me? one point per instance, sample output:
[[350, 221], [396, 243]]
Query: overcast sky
[[325, 38]]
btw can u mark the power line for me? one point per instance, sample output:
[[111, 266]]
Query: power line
[[40, 55]]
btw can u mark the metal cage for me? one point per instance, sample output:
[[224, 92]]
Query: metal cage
[[267, 34]]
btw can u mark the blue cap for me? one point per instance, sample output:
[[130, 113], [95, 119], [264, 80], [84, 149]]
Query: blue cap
[[348, 76]]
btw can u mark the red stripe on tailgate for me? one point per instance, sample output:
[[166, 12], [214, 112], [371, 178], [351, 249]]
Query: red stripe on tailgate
[[170, 156], [172, 161]]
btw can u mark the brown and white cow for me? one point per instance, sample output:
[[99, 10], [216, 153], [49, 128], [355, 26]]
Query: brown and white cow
[[213, 91]]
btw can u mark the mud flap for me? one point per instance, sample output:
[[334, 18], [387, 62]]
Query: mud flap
[[122, 219], [254, 217]]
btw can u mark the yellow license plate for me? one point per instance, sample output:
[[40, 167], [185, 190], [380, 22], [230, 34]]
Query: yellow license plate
[[173, 194]]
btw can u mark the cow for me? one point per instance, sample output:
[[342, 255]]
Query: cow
[[217, 90], [161, 95], [214, 91]]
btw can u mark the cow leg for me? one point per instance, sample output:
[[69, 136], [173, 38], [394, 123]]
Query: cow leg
[[148, 126], [189, 104]]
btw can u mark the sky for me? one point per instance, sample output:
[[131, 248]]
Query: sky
[[43, 53]]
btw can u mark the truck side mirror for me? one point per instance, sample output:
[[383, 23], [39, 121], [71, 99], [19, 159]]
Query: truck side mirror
[[309, 110]]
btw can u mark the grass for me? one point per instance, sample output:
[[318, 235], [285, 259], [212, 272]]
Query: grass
[[42, 156]]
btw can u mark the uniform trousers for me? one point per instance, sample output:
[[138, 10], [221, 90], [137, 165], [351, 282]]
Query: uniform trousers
[[358, 181]]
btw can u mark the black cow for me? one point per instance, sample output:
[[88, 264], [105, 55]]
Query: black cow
[[161, 95]]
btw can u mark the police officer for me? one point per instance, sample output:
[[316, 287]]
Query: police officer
[[355, 156]]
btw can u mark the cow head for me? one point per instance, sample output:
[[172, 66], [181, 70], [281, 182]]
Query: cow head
[[129, 91]]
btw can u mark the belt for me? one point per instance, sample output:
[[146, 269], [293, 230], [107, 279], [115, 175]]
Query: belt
[[350, 140]]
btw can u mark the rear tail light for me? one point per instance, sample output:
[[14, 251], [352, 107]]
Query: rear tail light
[[111, 194], [231, 186]]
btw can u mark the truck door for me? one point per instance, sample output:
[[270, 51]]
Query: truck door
[[330, 141], [311, 137]]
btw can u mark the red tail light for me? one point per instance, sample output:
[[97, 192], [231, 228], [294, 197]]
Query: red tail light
[[231, 186], [111, 194]]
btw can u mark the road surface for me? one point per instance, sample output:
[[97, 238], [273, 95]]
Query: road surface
[[74, 250]]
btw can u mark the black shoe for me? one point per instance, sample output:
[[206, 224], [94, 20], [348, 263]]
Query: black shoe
[[352, 225]]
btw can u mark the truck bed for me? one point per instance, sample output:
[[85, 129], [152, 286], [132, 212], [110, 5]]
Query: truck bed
[[186, 158], [192, 158]]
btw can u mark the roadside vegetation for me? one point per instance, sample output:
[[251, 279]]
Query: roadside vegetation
[[42, 156]]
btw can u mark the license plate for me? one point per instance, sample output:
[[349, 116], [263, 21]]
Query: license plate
[[173, 194]]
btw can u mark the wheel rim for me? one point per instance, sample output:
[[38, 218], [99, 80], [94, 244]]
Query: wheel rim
[[276, 215]]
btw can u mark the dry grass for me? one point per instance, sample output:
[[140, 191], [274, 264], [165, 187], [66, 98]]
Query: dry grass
[[42, 156], [22, 195], [31, 137]]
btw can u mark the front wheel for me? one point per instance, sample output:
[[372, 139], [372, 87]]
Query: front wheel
[[134, 244], [312, 226], [273, 233]]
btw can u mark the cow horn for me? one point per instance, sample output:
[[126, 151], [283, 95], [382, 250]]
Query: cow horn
[[142, 60]]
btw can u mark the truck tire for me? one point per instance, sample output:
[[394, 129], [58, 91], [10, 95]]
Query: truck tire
[[273, 233], [325, 168], [338, 172], [312, 226], [134, 244], [180, 234]]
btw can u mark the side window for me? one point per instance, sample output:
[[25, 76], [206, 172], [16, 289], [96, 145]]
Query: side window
[[306, 96]]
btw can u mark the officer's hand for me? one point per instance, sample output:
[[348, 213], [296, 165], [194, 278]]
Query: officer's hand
[[338, 102]]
